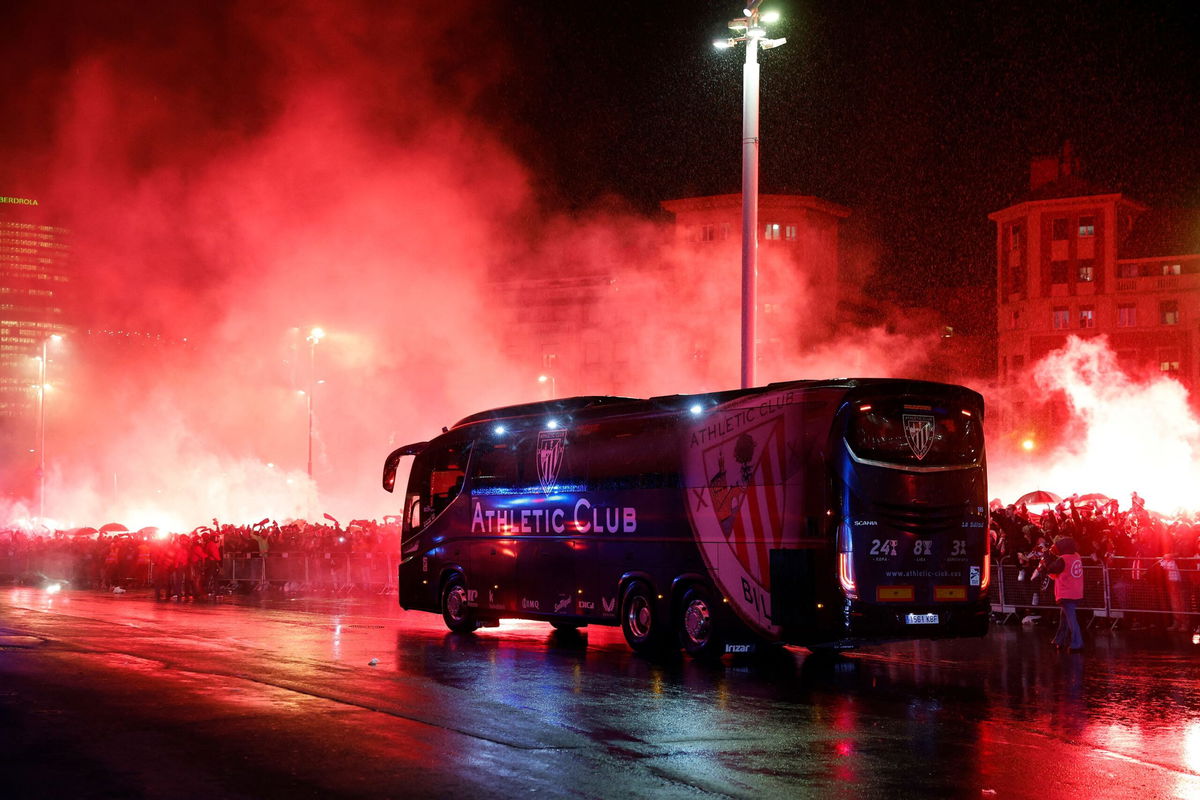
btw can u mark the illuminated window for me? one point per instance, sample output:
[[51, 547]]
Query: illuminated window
[[1168, 312], [1060, 318], [1168, 359], [1087, 270], [789, 233], [771, 231], [1126, 315], [1087, 317], [1170, 269], [1087, 226]]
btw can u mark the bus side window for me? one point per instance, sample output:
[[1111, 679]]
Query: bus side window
[[436, 479]]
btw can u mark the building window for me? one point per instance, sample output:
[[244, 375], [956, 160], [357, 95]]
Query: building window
[[1014, 246], [1126, 315], [1168, 359], [1087, 271], [1060, 228], [1087, 226], [1018, 364], [708, 233], [1060, 318], [1014, 320], [772, 231], [1127, 270], [1170, 269], [789, 233], [1168, 312], [1087, 317], [724, 231], [1058, 271]]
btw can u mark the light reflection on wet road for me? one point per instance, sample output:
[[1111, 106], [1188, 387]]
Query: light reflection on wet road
[[277, 697]]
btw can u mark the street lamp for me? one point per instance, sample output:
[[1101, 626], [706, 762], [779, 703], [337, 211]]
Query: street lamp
[[754, 35], [54, 337], [553, 384], [314, 336]]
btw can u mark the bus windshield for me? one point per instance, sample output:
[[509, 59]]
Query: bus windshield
[[914, 434]]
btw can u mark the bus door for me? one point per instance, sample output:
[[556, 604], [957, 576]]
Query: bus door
[[432, 533]]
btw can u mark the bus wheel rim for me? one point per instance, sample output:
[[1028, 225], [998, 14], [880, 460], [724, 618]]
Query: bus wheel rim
[[639, 617], [454, 602], [697, 623]]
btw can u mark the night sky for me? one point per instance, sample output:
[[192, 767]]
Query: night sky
[[920, 116]]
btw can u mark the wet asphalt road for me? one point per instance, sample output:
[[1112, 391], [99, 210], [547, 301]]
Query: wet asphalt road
[[106, 695]]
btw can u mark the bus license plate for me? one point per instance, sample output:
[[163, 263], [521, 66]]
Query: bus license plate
[[921, 619]]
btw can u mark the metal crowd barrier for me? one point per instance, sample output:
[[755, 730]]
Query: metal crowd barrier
[[1124, 586], [302, 571]]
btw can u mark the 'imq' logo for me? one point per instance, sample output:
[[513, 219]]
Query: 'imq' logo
[[918, 430], [550, 447]]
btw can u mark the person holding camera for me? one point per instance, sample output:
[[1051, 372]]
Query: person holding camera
[[1065, 568]]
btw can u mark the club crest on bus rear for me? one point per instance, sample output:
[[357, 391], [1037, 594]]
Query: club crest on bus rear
[[918, 431]]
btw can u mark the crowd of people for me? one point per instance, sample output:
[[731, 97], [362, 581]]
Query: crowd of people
[[185, 565], [1146, 553]]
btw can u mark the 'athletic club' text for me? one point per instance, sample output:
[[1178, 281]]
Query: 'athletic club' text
[[583, 518]]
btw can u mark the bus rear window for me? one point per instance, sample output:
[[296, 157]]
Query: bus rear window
[[914, 434]]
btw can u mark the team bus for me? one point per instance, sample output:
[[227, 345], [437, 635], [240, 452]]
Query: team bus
[[827, 513]]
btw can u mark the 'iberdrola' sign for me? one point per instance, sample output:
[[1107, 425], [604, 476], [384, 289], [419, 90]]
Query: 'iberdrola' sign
[[18, 201]]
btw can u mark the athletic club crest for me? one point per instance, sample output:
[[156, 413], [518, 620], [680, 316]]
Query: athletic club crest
[[550, 447], [918, 431]]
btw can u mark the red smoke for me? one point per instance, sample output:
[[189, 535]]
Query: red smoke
[[237, 177]]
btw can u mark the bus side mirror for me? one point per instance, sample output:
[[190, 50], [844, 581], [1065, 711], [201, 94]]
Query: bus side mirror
[[392, 463]]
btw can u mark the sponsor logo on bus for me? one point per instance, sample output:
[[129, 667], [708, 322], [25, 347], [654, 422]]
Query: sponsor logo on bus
[[918, 431]]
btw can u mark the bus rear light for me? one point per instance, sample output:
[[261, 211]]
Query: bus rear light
[[987, 573], [864, 408], [846, 575]]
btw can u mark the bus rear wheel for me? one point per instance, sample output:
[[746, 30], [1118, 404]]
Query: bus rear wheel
[[459, 616], [640, 620], [697, 626]]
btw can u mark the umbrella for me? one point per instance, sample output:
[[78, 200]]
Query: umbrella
[[1099, 498], [83, 532], [1036, 497], [110, 527], [149, 530]]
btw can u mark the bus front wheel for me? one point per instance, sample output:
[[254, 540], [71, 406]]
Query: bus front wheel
[[697, 627], [459, 616], [640, 619]]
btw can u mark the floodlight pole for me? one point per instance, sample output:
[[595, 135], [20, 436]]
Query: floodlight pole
[[754, 36], [749, 210]]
